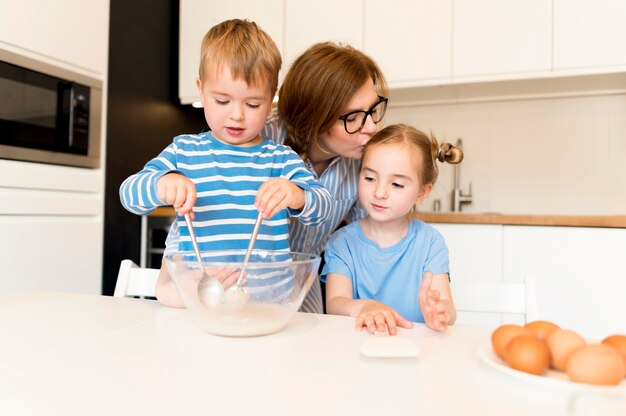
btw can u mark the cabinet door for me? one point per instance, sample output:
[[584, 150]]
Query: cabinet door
[[410, 40], [16, 175], [74, 32], [198, 16], [495, 39], [581, 274], [475, 256], [589, 34], [309, 22], [61, 253], [475, 251]]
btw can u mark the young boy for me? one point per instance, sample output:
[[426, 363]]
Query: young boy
[[231, 173]]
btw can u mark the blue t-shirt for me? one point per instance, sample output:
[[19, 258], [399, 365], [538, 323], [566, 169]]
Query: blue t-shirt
[[391, 275]]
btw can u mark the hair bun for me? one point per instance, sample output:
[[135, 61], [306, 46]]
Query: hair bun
[[449, 154]]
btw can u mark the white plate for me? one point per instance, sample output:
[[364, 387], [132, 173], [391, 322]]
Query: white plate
[[388, 346], [552, 379]]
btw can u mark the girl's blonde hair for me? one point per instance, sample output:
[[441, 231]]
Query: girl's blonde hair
[[318, 87], [429, 149], [245, 48]]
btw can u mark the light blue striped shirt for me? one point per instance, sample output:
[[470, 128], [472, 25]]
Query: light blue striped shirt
[[341, 178], [227, 179]]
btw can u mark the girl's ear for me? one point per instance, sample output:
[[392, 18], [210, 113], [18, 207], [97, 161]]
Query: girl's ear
[[424, 192]]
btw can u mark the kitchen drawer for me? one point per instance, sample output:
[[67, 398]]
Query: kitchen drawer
[[60, 253]]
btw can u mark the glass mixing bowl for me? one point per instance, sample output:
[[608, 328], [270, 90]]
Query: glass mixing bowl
[[275, 284]]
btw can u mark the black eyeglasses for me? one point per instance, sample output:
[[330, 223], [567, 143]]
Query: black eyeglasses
[[354, 120]]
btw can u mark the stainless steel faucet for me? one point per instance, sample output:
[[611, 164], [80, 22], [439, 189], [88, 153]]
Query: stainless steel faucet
[[458, 198]]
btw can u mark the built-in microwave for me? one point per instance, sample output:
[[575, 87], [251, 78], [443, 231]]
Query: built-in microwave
[[48, 114]]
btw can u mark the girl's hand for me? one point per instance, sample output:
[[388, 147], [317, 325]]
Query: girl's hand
[[378, 317], [178, 191], [433, 309], [278, 194]]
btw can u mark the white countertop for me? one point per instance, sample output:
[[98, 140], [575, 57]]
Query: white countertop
[[68, 354]]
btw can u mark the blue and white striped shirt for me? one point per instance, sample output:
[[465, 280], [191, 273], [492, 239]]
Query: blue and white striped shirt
[[227, 179]]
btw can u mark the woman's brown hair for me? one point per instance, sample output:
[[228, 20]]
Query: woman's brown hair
[[317, 88], [429, 149]]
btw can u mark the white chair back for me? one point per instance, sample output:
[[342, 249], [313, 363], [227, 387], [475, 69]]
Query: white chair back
[[502, 298], [133, 280]]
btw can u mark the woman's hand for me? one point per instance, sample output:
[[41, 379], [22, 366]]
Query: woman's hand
[[433, 308], [378, 317], [278, 194]]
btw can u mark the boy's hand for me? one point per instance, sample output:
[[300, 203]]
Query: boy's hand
[[178, 191], [227, 276], [278, 194], [434, 311], [378, 317]]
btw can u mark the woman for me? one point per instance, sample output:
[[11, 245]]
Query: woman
[[329, 105]]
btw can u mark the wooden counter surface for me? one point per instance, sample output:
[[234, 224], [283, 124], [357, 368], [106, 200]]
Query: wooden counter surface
[[163, 212], [608, 221]]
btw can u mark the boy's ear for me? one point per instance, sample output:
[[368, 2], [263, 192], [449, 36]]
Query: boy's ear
[[424, 192], [272, 105], [199, 86]]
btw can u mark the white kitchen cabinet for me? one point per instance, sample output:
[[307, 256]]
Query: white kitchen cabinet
[[581, 274], [475, 252], [293, 24], [198, 16], [45, 177], [410, 40], [61, 253], [310, 22], [580, 271], [589, 35], [431, 42], [51, 219], [69, 33], [500, 39]]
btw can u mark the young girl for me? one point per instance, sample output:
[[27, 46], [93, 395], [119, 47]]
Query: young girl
[[387, 270]]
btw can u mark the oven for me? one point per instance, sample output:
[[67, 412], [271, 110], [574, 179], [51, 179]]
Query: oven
[[48, 114]]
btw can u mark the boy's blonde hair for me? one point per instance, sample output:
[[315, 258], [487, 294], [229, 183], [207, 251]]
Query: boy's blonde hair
[[245, 48], [318, 87], [429, 149]]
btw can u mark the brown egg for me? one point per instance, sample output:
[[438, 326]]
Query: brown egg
[[618, 342], [596, 364], [529, 354], [562, 343], [541, 329], [504, 334]]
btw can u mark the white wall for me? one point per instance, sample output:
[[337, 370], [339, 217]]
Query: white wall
[[543, 155]]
